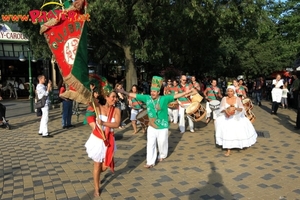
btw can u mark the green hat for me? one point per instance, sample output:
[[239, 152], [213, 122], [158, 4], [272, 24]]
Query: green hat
[[107, 89], [156, 83]]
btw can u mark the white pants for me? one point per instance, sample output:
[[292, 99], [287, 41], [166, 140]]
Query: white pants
[[182, 120], [173, 115], [209, 111], [44, 121], [156, 137]]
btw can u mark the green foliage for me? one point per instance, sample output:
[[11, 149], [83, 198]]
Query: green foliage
[[218, 38]]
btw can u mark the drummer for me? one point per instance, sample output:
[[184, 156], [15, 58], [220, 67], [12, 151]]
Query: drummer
[[211, 92], [195, 84], [239, 90], [184, 102], [157, 132], [242, 84], [168, 87], [173, 112]]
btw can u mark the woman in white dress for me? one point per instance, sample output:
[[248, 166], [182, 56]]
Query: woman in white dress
[[233, 129], [101, 144], [276, 93]]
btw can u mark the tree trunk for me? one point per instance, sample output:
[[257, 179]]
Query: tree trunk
[[131, 77]]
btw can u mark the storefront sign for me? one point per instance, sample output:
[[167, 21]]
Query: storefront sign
[[12, 36]]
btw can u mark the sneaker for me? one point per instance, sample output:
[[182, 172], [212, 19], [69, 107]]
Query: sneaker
[[192, 130]]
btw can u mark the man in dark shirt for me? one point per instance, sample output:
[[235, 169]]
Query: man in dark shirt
[[258, 84], [295, 89]]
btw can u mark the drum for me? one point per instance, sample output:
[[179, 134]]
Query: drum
[[214, 104], [247, 103], [250, 115], [197, 98], [173, 105], [195, 111], [143, 117]]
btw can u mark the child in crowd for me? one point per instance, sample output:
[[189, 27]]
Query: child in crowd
[[285, 92]]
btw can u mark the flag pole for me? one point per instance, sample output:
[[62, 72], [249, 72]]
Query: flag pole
[[97, 115]]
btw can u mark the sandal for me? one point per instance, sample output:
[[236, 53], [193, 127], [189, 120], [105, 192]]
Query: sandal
[[160, 160], [148, 166]]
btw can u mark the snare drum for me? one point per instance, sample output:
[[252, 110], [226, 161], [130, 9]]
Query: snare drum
[[250, 115], [143, 117], [247, 103], [195, 111], [214, 104], [173, 105]]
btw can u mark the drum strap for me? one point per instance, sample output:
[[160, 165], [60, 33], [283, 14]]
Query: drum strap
[[214, 93]]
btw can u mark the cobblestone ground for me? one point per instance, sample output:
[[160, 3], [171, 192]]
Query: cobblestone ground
[[32, 167]]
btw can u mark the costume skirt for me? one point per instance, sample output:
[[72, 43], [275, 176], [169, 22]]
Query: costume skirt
[[96, 148], [234, 132]]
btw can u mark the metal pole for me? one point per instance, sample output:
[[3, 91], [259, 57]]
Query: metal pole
[[30, 83]]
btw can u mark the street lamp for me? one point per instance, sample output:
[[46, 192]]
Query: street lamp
[[22, 59]]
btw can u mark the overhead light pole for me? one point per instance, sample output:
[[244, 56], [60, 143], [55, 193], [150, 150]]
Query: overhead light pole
[[23, 59]]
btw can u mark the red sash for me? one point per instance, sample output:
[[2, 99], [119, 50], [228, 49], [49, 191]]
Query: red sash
[[109, 142], [109, 158]]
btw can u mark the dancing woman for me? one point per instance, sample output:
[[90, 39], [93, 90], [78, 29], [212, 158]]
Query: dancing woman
[[101, 144], [233, 129]]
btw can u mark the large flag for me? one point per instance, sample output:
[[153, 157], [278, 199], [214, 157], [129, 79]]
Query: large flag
[[66, 36]]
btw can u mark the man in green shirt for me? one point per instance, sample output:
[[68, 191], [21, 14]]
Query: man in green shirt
[[157, 109]]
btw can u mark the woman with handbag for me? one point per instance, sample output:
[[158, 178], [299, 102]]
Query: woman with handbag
[[101, 144], [121, 103], [136, 108]]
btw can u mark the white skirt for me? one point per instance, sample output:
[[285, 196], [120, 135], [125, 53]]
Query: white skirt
[[234, 132], [95, 148]]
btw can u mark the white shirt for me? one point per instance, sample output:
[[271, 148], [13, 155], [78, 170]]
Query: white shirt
[[277, 84], [41, 91]]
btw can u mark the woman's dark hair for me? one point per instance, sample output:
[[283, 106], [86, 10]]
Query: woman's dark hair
[[136, 86]]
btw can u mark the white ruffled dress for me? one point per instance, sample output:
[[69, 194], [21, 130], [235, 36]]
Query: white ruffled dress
[[95, 146], [235, 131]]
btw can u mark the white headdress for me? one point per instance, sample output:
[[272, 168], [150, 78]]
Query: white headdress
[[231, 87]]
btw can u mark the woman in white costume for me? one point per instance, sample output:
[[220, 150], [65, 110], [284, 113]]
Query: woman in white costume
[[100, 146], [233, 129], [276, 93]]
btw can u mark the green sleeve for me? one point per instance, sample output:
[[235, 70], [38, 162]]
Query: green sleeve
[[142, 98]]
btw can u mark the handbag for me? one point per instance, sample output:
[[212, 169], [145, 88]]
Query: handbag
[[40, 102], [123, 106]]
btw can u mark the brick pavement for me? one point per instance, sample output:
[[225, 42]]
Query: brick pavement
[[32, 167]]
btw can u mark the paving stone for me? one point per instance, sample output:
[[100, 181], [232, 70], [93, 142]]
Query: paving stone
[[58, 168]]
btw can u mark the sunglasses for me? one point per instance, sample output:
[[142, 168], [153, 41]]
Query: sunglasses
[[183, 79]]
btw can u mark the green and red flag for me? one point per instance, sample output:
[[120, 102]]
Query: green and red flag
[[66, 35]]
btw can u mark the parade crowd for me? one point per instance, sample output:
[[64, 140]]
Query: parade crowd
[[228, 105]]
